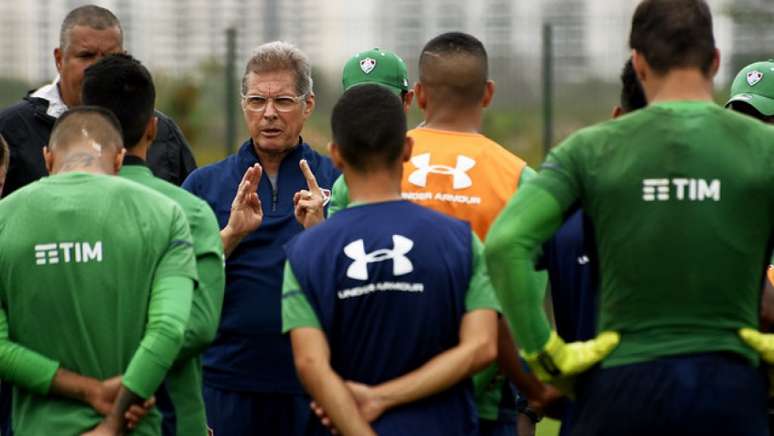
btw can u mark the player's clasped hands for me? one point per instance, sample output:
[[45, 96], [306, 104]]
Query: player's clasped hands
[[309, 203], [102, 396], [368, 404]]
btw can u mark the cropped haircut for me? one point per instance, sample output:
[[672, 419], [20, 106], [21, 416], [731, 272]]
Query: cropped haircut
[[86, 122], [369, 127], [674, 34], [91, 16], [454, 67], [121, 84], [280, 56], [632, 96]]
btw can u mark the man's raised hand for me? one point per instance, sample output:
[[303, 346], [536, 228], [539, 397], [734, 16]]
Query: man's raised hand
[[246, 211], [309, 204]]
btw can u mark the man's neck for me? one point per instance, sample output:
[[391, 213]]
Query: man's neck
[[82, 161], [681, 84], [139, 151], [374, 187], [453, 119], [271, 161]]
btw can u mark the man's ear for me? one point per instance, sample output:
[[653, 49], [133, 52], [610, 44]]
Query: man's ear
[[333, 150], [617, 111], [715, 66], [640, 66], [489, 91], [407, 100], [151, 130], [421, 94], [309, 105], [58, 59], [48, 158], [118, 161], [408, 147]]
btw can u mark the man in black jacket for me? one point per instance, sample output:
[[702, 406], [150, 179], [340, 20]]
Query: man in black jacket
[[87, 34]]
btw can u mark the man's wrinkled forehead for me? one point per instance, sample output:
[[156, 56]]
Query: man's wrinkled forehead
[[85, 38], [271, 83]]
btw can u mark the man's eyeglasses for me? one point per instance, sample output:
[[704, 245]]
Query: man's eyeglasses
[[282, 103]]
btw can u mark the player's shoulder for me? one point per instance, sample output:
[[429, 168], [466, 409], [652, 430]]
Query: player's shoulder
[[211, 171]]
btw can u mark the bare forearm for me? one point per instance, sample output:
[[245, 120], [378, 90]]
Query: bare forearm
[[329, 391], [74, 386], [440, 373], [230, 240]]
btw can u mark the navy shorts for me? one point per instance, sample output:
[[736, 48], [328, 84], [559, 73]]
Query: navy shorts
[[231, 413], [700, 394]]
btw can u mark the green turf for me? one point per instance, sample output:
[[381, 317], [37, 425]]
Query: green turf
[[547, 427]]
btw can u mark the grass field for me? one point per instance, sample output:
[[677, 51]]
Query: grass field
[[547, 427]]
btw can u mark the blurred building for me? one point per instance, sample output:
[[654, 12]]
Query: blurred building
[[176, 36]]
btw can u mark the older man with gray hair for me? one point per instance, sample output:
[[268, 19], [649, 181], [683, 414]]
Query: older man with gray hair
[[275, 180]]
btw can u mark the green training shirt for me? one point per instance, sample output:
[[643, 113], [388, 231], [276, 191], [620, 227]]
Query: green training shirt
[[85, 267], [184, 382], [680, 197]]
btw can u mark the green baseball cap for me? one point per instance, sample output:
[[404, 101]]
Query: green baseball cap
[[376, 66], [754, 85]]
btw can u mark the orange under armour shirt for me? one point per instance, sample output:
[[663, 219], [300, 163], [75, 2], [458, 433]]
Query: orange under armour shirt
[[465, 175]]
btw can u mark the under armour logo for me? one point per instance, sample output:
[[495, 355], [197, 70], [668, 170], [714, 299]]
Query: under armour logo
[[400, 263], [460, 178]]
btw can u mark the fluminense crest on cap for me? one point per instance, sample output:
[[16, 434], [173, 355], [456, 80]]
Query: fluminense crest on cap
[[753, 77], [367, 65]]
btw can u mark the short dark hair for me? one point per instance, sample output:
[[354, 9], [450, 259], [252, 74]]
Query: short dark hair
[[99, 123], [674, 34], [4, 154], [121, 84], [632, 97], [91, 16], [369, 127], [454, 67]]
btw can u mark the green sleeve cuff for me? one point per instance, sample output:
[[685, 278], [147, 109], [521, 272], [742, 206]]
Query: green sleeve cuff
[[481, 293], [22, 366], [296, 310], [339, 196], [168, 313]]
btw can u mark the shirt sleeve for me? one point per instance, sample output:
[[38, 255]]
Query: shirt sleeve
[[527, 174], [296, 310], [529, 219], [208, 297], [339, 196], [481, 294], [169, 310], [22, 366]]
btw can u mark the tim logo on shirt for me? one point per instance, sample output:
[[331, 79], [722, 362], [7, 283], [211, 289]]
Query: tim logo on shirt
[[680, 189], [68, 252]]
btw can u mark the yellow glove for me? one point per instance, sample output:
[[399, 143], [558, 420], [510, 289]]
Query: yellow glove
[[559, 360], [763, 343]]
